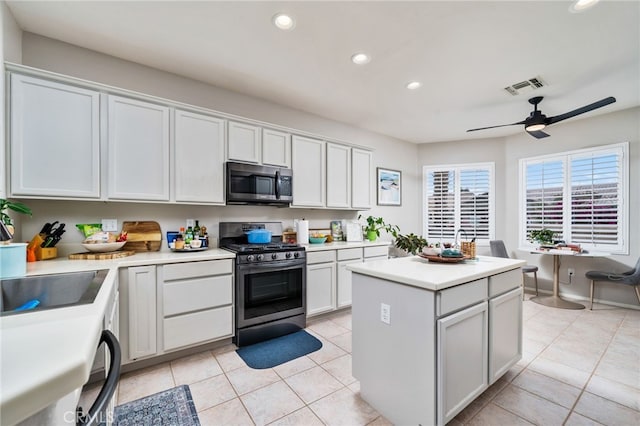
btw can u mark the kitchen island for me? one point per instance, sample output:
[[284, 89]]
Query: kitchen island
[[428, 338]]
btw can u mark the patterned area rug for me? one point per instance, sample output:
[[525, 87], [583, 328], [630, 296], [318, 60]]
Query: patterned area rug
[[171, 407], [279, 350]]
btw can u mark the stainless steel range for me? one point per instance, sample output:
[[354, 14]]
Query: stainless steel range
[[270, 282]]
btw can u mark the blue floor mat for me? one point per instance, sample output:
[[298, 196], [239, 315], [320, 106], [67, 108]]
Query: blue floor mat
[[277, 351]]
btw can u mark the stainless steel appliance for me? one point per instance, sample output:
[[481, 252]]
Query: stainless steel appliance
[[254, 184], [270, 283]]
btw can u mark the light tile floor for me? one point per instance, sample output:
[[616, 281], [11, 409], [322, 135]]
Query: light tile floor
[[578, 368]]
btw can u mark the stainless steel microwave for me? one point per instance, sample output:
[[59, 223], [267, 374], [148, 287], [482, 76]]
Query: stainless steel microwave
[[254, 184]]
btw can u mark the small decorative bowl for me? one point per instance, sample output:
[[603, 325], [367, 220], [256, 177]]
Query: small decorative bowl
[[317, 240], [104, 247], [431, 251]]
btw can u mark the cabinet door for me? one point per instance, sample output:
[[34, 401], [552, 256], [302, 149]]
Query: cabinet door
[[362, 182], [462, 360], [308, 161], [344, 283], [338, 176], [276, 148], [244, 143], [321, 288], [55, 139], [141, 287], [505, 334], [199, 158], [138, 150]]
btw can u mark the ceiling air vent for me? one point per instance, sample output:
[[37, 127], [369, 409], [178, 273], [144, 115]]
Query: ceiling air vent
[[525, 86]]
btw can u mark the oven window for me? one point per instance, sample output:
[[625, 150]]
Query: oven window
[[271, 292]]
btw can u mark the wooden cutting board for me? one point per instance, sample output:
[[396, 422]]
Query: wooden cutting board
[[101, 256], [142, 236]]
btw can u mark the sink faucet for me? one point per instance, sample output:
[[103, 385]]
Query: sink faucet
[[456, 245], [5, 235]]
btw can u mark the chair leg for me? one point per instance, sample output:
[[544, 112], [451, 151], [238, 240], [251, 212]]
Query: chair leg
[[535, 277], [637, 289], [591, 304]]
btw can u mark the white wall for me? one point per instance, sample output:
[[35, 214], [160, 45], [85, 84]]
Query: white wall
[[56, 56], [583, 133]]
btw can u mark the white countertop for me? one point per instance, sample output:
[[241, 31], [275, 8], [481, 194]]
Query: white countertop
[[47, 354], [418, 272], [345, 244]]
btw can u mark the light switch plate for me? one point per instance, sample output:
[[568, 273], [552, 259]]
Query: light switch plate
[[110, 225], [385, 313]]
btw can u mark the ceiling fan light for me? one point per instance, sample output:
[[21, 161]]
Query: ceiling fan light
[[535, 127]]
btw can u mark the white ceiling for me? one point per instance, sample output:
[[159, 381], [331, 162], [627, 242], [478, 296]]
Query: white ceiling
[[465, 53]]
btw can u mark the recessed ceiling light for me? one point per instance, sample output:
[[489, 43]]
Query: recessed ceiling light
[[413, 85], [283, 21], [582, 5], [360, 58]]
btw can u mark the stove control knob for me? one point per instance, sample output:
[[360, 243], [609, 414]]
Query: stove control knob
[[250, 258], [288, 255], [274, 256], [296, 254], [259, 257]]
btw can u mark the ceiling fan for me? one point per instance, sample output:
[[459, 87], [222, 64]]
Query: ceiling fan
[[538, 121]]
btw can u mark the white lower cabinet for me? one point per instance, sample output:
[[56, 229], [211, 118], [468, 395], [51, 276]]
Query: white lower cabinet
[[321, 288], [462, 359], [505, 335], [343, 284], [140, 294]]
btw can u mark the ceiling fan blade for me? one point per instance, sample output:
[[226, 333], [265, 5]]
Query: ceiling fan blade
[[582, 110], [493, 127], [538, 134]]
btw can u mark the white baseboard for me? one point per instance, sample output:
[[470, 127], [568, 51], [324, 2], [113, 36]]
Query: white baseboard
[[586, 299]]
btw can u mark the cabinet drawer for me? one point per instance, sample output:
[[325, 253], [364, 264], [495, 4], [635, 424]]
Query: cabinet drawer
[[193, 295], [458, 297], [501, 283], [350, 253], [190, 329], [197, 269], [321, 256], [376, 251]]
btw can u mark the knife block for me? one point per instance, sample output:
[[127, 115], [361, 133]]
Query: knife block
[[42, 253]]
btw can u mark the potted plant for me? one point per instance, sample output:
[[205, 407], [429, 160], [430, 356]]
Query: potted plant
[[542, 236], [16, 207], [410, 243], [375, 224]]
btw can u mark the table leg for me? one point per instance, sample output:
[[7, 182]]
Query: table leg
[[555, 301]]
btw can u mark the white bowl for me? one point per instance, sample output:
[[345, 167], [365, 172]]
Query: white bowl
[[103, 247], [431, 251]]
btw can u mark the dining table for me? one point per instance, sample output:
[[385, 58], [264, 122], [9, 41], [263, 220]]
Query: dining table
[[555, 301]]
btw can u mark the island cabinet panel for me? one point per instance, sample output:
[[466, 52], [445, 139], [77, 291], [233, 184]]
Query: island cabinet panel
[[505, 333], [462, 360]]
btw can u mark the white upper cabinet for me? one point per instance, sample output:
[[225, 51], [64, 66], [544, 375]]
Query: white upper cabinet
[[362, 182], [199, 158], [55, 139], [338, 176], [309, 162], [138, 150], [244, 143], [276, 148]]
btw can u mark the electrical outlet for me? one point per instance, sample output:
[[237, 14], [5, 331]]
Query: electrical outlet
[[191, 223], [110, 225], [385, 313]]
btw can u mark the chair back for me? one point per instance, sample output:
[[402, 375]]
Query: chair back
[[633, 276], [498, 249]]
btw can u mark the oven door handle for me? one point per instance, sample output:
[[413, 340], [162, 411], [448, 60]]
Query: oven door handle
[[274, 265], [93, 416]]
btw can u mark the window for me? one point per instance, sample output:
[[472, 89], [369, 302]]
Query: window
[[580, 195], [459, 197]]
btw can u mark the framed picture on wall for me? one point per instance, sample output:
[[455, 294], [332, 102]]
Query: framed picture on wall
[[389, 184]]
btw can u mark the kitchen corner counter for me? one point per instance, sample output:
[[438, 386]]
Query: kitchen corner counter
[[418, 272], [344, 245]]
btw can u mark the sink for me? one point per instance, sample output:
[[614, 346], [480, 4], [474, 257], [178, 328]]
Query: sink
[[52, 291]]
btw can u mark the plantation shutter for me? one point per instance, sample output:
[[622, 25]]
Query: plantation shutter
[[459, 198], [595, 198], [544, 200]]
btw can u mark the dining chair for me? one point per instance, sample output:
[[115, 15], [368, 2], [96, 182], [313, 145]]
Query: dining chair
[[499, 250], [631, 278]]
